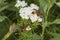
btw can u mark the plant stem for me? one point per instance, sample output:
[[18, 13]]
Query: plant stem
[[43, 30], [45, 21]]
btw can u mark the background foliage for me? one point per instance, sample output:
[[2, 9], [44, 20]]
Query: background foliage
[[50, 30]]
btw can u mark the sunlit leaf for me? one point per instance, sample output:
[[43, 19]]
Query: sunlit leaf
[[57, 21], [58, 4]]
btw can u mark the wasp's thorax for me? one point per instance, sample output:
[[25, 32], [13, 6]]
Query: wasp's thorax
[[38, 13]]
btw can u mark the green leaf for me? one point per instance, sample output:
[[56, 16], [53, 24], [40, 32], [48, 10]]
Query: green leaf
[[57, 21], [58, 4], [2, 18], [4, 6], [45, 4]]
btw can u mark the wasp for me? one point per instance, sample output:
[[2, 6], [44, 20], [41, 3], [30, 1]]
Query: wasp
[[38, 13]]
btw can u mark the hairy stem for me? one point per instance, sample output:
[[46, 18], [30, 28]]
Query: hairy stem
[[45, 21]]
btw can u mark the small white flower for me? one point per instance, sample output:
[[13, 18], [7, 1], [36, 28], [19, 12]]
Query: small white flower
[[28, 28], [33, 17], [22, 10], [25, 12], [40, 19], [33, 6], [28, 10], [24, 16], [20, 3], [23, 4]]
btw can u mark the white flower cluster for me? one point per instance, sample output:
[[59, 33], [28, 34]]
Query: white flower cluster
[[26, 11], [20, 3]]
